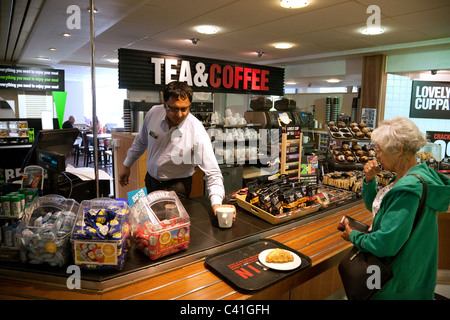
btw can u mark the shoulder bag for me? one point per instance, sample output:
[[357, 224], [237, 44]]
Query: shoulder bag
[[357, 266]]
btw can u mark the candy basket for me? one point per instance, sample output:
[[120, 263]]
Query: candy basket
[[45, 230], [161, 225], [101, 234]]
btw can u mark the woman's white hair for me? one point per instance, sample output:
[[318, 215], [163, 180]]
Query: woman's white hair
[[392, 134]]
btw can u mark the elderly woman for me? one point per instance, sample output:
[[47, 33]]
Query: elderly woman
[[394, 207]]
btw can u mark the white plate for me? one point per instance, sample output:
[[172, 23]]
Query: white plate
[[280, 266]]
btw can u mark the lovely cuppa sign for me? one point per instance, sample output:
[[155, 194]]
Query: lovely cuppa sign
[[430, 99]]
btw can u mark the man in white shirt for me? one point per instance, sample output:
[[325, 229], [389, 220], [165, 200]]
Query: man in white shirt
[[176, 142]]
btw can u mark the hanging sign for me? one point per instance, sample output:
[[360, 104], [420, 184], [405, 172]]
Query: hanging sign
[[31, 79], [142, 70], [430, 99]]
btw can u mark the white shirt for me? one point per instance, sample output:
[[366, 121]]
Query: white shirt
[[174, 153]]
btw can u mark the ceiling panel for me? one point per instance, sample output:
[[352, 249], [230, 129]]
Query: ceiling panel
[[323, 30]]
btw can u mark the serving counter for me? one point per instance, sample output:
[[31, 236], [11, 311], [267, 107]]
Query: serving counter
[[184, 274]]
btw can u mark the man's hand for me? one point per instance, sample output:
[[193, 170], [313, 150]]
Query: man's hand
[[224, 205], [123, 176]]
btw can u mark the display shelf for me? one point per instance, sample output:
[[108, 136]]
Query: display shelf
[[290, 138]]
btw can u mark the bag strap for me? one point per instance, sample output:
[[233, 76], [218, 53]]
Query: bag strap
[[418, 214], [422, 200]]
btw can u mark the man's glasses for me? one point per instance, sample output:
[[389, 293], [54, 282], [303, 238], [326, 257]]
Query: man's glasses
[[176, 110]]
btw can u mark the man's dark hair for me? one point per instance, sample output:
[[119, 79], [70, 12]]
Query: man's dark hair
[[177, 90]]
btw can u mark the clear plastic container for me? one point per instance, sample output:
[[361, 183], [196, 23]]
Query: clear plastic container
[[161, 225], [23, 124], [45, 230], [13, 124], [23, 132], [101, 234], [4, 133]]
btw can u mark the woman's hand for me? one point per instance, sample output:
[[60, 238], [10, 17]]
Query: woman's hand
[[346, 233], [371, 169]]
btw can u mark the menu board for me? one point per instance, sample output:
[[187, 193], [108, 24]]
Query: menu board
[[31, 79]]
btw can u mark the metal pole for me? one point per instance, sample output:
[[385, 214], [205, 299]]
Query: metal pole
[[94, 107]]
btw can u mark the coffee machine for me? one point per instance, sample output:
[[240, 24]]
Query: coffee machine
[[137, 111]]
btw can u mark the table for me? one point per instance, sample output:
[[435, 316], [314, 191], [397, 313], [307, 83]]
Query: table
[[100, 136]]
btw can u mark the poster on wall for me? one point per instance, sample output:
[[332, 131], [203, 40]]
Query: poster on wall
[[441, 138], [369, 117], [144, 70], [430, 99], [31, 79]]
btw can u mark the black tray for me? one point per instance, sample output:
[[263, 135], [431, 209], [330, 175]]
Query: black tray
[[239, 268]]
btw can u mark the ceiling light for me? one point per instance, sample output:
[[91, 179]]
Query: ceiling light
[[52, 49], [333, 80], [42, 58], [65, 34], [291, 83], [194, 40], [294, 4], [283, 45], [207, 29], [372, 30]]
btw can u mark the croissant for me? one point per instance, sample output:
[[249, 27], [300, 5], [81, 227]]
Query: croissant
[[279, 256]]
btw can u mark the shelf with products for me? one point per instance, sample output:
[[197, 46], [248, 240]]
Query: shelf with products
[[243, 144], [291, 150], [349, 145]]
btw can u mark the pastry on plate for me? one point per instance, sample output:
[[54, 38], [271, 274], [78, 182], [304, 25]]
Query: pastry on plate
[[279, 256]]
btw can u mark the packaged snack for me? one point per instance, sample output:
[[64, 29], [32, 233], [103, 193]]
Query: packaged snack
[[45, 230], [101, 234], [161, 225]]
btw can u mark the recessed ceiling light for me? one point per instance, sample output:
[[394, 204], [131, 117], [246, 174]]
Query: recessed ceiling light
[[372, 30], [65, 34], [42, 58], [333, 80], [294, 4], [207, 29], [290, 83], [52, 49], [283, 45]]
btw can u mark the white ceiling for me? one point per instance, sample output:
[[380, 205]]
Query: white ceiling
[[325, 30]]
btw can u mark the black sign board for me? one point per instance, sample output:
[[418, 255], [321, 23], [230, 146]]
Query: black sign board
[[143, 70], [31, 79], [443, 139], [430, 99]]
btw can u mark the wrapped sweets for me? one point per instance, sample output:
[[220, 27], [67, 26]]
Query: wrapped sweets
[[101, 235], [46, 241], [45, 230]]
